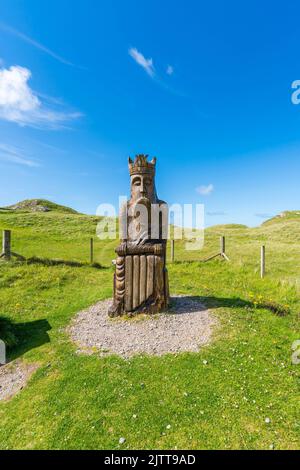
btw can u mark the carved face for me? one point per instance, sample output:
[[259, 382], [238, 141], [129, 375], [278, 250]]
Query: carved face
[[142, 187]]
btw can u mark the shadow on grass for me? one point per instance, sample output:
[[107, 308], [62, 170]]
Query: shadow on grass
[[236, 302], [58, 262], [22, 337]]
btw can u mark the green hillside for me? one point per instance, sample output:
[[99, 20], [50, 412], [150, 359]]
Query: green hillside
[[87, 402], [284, 216], [39, 205], [65, 235]]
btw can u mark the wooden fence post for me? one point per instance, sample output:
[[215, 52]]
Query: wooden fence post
[[172, 250], [92, 250], [7, 253], [262, 261], [6, 245], [221, 252], [222, 246]]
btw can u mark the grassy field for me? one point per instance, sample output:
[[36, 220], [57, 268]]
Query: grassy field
[[87, 402]]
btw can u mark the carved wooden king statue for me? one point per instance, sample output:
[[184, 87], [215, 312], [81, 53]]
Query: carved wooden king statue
[[141, 277]]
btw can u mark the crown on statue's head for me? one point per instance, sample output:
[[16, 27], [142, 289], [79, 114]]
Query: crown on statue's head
[[141, 165]]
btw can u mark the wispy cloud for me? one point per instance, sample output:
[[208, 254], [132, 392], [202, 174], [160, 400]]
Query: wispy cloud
[[140, 59], [11, 154], [216, 213], [20, 104], [205, 190], [264, 215], [170, 70], [8, 29], [148, 66]]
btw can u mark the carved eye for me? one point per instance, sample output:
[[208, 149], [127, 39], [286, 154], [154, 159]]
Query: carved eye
[[147, 181], [136, 182]]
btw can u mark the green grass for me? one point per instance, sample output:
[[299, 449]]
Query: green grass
[[88, 402], [29, 204]]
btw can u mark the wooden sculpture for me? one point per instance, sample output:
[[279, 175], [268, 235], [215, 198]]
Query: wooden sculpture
[[141, 277]]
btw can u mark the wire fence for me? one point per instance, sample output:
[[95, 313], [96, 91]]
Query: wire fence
[[100, 253]]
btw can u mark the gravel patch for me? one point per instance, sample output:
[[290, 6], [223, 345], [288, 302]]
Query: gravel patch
[[13, 378], [186, 326]]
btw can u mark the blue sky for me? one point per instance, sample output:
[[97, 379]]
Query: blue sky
[[204, 86]]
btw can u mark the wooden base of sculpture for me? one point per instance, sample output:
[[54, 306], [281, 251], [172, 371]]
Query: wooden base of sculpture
[[140, 280]]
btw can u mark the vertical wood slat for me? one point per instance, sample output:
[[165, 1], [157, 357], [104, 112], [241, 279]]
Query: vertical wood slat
[[143, 278], [128, 283], [158, 274], [150, 274], [136, 281]]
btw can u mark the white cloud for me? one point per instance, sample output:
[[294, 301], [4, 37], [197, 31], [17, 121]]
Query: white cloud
[[19, 103], [205, 190], [11, 154], [170, 70], [37, 45], [147, 64]]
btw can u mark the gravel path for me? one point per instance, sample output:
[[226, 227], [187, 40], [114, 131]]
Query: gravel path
[[13, 377], [185, 327]]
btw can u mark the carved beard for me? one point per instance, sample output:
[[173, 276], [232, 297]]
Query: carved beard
[[138, 233], [139, 221], [145, 201]]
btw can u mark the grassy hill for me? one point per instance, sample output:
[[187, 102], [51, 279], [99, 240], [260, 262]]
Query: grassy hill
[[285, 216], [77, 401], [65, 235], [39, 205]]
